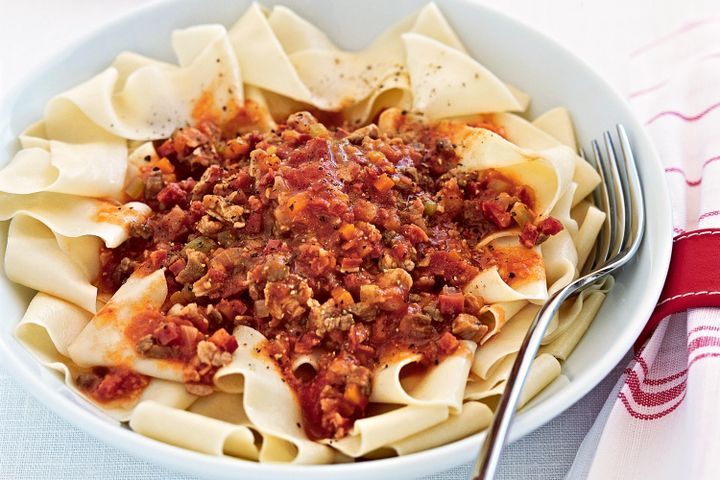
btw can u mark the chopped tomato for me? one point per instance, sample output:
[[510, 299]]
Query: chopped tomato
[[342, 248]]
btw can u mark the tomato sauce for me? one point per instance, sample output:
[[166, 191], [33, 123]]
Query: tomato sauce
[[350, 245], [112, 384]]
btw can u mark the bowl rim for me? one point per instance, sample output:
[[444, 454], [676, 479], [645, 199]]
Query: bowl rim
[[188, 461]]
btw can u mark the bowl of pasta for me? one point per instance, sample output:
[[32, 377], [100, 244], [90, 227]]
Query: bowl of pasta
[[306, 238]]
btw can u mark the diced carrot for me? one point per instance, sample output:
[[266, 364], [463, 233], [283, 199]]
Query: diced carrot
[[375, 156], [342, 297], [297, 203], [370, 293], [347, 231], [164, 165], [383, 183], [224, 340], [352, 394]]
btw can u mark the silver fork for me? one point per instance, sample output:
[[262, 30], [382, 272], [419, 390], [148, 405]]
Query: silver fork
[[620, 197]]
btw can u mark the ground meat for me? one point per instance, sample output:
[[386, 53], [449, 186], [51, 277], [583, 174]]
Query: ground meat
[[346, 244], [194, 268], [147, 347], [357, 137], [416, 325], [468, 327], [288, 299], [221, 209], [328, 317], [172, 195], [124, 269], [207, 182], [170, 226], [105, 384], [344, 396], [209, 353], [199, 389], [153, 184], [301, 122], [209, 227]]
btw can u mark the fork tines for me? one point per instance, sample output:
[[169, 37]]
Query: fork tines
[[618, 195]]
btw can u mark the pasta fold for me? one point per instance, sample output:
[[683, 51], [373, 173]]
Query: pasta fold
[[256, 376], [49, 327], [442, 384]]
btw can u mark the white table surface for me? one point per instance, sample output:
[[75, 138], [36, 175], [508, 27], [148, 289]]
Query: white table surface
[[35, 443]]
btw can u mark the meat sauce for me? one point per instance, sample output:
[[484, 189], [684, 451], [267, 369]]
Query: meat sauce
[[112, 384], [349, 245]]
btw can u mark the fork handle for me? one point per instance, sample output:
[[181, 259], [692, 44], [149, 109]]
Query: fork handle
[[496, 435]]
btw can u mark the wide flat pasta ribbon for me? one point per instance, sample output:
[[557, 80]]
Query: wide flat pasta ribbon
[[374, 432], [446, 82], [543, 371], [72, 216], [103, 341], [42, 260], [473, 417], [193, 431], [524, 134], [49, 327], [262, 58], [590, 219], [578, 311], [229, 407], [257, 377], [575, 320], [294, 59], [142, 99], [496, 316], [94, 169], [549, 172], [557, 123], [559, 252], [441, 384], [530, 284]]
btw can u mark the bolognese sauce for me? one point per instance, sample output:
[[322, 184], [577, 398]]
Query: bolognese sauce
[[349, 246]]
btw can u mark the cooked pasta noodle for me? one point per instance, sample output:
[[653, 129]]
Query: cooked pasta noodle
[[125, 244]]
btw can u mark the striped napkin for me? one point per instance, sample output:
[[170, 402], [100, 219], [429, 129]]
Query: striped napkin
[[662, 419]]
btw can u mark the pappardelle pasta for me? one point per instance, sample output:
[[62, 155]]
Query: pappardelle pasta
[[284, 252]]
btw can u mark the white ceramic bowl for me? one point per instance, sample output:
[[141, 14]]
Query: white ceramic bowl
[[515, 53]]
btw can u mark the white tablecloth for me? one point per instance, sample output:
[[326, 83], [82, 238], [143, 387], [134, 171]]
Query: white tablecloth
[[35, 443]]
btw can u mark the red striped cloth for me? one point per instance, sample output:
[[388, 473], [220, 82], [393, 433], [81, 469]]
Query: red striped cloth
[[662, 420]]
